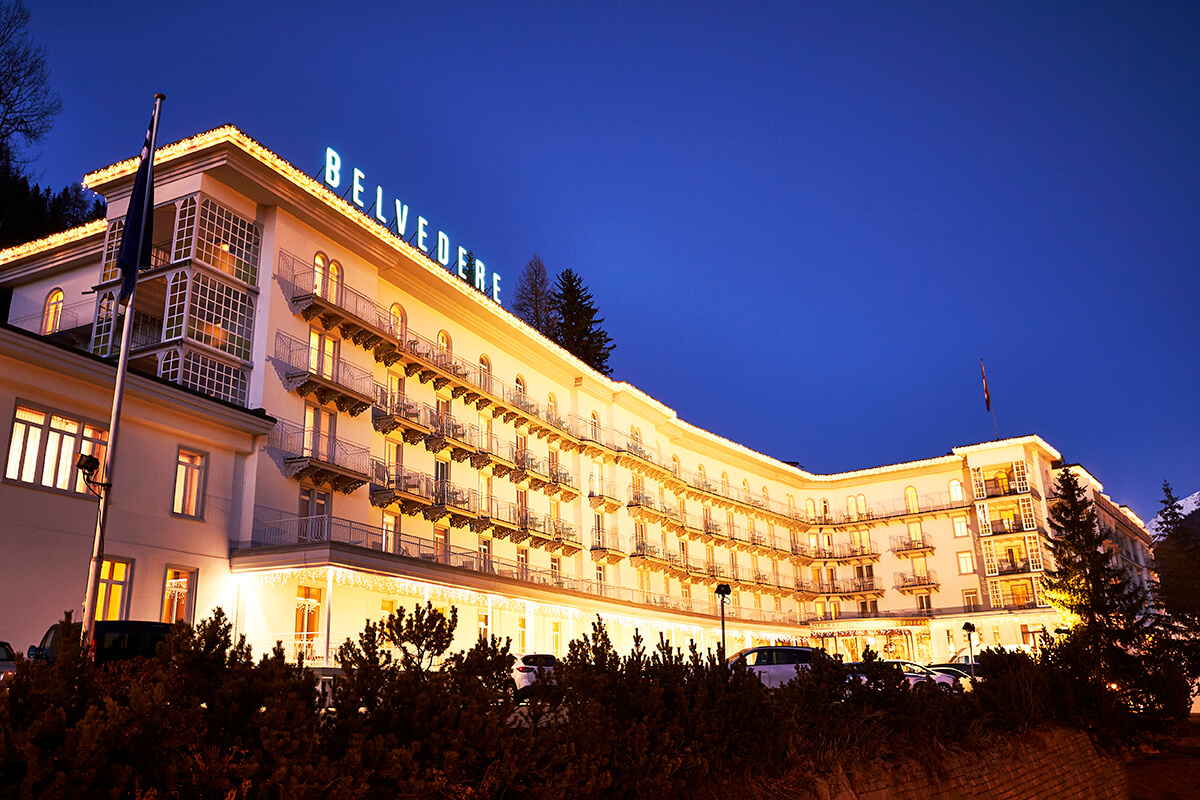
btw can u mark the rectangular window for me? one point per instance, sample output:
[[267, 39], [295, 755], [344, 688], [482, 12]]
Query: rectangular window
[[113, 602], [521, 635], [178, 594], [44, 447], [924, 602], [308, 621], [189, 485], [966, 562], [556, 637], [960, 527], [314, 514], [484, 626], [391, 527]]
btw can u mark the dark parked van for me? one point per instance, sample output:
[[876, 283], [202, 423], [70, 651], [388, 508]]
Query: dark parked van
[[114, 640]]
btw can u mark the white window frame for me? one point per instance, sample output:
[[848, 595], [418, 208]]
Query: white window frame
[[190, 575], [193, 476], [103, 598], [31, 442]]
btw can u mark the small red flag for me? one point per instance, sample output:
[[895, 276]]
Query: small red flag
[[987, 396]]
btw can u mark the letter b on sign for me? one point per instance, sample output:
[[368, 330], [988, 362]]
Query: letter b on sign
[[333, 168]]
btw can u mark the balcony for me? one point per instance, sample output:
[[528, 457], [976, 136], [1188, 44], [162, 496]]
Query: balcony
[[643, 506], [909, 582], [564, 537], [1006, 566], [304, 532], [307, 370], [394, 411], [1012, 601], [530, 525], [999, 527], [455, 502], [862, 553], [801, 556], [457, 436], [322, 459], [905, 546], [336, 305], [597, 441], [529, 469], [562, 482], [648, 554], [1004, 485], [412, 490], [861, 588], [500, 453], [603, 495], [606, 546]]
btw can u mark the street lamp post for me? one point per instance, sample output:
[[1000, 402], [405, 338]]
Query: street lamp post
[[969, 629], [723, 592]]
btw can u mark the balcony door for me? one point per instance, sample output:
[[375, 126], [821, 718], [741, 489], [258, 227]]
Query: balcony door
[[318, 433]]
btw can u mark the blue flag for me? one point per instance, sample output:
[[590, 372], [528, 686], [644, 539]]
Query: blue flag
[[141, 210]]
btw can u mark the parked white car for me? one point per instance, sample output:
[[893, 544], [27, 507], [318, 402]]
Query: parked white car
[[526, 669], [774, 665]]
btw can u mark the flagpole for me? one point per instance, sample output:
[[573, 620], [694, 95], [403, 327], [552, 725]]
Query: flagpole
[[110, 456]]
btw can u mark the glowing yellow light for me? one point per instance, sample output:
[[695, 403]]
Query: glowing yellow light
[[53, 240]]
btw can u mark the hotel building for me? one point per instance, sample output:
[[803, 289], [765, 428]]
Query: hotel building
[[325, 424]]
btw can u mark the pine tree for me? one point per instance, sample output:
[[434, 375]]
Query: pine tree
[[1177, 560], [532, 298], [578, 328], [1087, 585], [470, 268]]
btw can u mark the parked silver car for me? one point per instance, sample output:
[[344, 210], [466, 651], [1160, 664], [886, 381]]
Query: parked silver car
[[774, 665], [917, 672]]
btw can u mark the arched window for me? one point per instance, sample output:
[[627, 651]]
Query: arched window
[[519, 385], [485, 373], [862, 506], [725, 484], [824, 508], [334, 283], [810, 509], [956, 492], [595, 424], [52, 313], [675, 468], [320, 272], [851, 508], [910, 499], [552, 405], [444, 342], [399, 321]]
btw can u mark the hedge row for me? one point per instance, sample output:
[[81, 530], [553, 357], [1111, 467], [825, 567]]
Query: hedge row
[[204, 719]]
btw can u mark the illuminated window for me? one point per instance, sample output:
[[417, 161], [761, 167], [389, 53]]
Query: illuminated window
[[519, 385], [398, 321], [391, 530], [910, 499], [318, 433], [113, 600], [178, 592], [556, 637], [44, 447], [189, 485], [443, 340], [52, 313], [485, 627], [521, 634], [322, 353], [230, 244], [960, 527], [595, 425], [220, 316], [810, 509], [861, 502], [966, 562], [956, 490], [308, 621]]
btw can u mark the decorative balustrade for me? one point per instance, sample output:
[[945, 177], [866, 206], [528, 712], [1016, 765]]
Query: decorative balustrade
[[848, 586], [1006, 566], [308, 369], [912, 580], [906, 543], [300, 444], [320, 529]]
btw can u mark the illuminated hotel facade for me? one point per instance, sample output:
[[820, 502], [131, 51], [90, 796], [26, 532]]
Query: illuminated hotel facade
[[329, 425]]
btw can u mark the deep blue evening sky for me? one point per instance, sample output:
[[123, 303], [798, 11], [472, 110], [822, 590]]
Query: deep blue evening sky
[[804, 222]]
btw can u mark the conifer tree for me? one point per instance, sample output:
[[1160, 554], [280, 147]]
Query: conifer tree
[[532, 298], [1177, 560], [1087, 585], [470, 268], [578, 328]]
